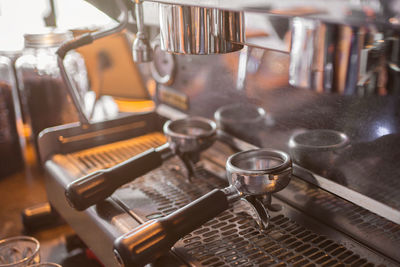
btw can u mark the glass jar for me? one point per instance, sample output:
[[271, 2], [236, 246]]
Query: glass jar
[[43, 92], [10, 149], [24, 128]]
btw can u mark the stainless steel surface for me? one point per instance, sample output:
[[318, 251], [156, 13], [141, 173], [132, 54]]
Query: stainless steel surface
[[336, 58], [168, 112], [258, 13], [122, 18], [367, 227], [86, 161], [200, 31], [248, 173], [240, 114], [250, 59], [335, 11], [141, 49], [165, 151], [359, 223], [255, 174], [319, 139], [187, 138], [190, 134], [47, 38], [163, 67], [355, 198], [317, 150], [232, 238], [348, 49], [114, 220], [372, 204], [242, 68], [369, 121], [259, 171]]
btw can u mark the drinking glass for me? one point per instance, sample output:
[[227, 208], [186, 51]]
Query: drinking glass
[[46, 264], [19, 251]]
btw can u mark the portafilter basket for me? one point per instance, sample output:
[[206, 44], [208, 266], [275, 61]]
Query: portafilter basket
[[190, 134], [252, 174], [243, 120], [187, 137], [317, 150]]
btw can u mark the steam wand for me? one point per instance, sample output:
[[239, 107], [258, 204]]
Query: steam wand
[[79, 41], [141, 49]]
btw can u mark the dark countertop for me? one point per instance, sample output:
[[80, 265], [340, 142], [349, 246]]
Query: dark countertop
[[19, 191], [25, 189]]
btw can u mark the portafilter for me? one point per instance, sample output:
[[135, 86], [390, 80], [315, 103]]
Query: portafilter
[[186, 138], [318, 150], [237, 119], [252, 175]]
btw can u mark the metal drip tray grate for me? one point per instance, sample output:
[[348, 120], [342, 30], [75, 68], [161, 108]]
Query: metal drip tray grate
[[233, 238], [359, 217], [370, 229], [89, 160], [166, 189]]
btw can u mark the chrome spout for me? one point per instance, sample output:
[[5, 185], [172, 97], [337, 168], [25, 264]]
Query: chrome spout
[[141, 49]]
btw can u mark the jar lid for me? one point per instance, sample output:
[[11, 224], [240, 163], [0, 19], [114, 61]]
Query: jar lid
[[47, 37]]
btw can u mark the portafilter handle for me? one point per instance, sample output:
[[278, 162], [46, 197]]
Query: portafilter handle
[[154, 238], [149, 241], [97, 186], [187, 135]]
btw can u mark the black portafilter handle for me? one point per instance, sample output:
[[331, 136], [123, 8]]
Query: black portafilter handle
[[97, 186], [154, 238]]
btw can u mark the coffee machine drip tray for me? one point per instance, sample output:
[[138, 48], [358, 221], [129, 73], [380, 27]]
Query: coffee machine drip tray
[[294, 237]]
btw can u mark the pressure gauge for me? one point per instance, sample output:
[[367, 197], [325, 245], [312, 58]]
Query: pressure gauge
[[163, 66]]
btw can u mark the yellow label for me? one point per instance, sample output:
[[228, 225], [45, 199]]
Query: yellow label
[[173, 98]]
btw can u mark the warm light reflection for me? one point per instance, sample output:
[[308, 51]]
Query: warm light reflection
[[134, 106], [76, 163]]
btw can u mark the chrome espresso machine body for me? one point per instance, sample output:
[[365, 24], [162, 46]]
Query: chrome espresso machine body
[[316, 80]]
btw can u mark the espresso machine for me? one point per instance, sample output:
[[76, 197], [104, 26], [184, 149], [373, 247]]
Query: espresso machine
[[273, 141]]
